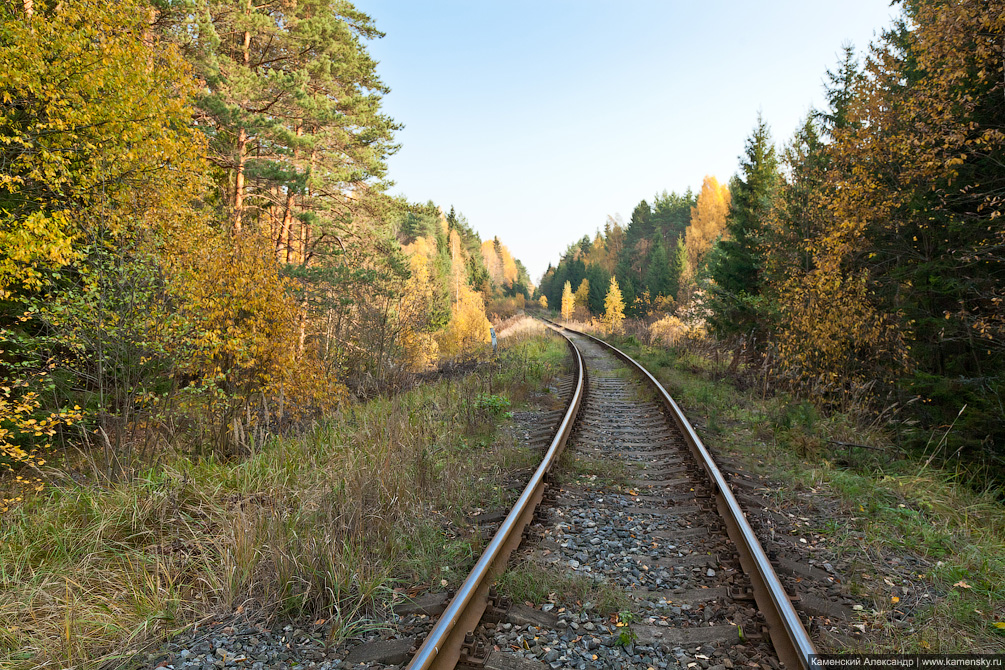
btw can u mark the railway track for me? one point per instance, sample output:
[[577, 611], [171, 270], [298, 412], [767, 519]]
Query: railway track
[[670, 536]]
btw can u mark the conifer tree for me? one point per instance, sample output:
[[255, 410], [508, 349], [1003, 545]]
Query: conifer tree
[[678, 267], [736, 304], [599, 279], [659, 279]]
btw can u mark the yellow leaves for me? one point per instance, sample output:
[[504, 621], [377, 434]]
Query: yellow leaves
[[16, 441], [669, 331], [568, 301], [468, 328], [499, 263], [509, 268], [708, 220], [830, 322], [614, 307], [582, 293]]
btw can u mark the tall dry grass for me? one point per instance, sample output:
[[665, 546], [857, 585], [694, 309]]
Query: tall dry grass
[[319, 526]]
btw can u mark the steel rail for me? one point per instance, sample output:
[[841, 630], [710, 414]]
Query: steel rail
[[791, 642], [442, 647]]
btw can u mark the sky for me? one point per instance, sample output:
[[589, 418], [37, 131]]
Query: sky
[[537, 120]]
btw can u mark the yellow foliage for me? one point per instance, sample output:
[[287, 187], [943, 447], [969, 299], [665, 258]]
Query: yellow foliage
[[493, 264], [249, 329], [582, 294], [509, 269], [101, 114], [40, 239], [499, 263], [24, 438], [708, 220], [831, 331], [421, 350], [468, 329], [422, 247], [543, 301], [614, 307], [568, 301], [671, 331], [420, 347], [501, 309]]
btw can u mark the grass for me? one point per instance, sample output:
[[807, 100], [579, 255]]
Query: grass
[[530, 581], [574, 468], [888, 506], [322, 525]]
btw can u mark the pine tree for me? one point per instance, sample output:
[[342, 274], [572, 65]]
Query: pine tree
[[614, 307], [291, 110]]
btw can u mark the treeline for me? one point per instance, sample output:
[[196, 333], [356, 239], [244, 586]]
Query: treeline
[[865, 259], [195, 238]]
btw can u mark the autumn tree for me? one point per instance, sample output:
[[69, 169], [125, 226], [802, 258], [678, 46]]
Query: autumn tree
[[921, 181], [582, 294], [708, 220], [614, 307], [568, 301]]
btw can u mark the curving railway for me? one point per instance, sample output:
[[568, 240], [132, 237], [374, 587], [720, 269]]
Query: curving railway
[[670, 535]]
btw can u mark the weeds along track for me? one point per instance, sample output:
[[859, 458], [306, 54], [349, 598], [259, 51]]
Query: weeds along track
[[638, 518]]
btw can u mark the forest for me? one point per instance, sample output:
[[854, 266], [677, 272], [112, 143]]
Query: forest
[[242, 384], [859, 264], [197, 245]]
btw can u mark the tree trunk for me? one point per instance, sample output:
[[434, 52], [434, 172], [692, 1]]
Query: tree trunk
[[284, 234], [242, 142]]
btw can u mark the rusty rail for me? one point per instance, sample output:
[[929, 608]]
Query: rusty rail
[[791, 642], [442, 647]]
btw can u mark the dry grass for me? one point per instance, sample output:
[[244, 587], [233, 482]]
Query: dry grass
[[319, 526]]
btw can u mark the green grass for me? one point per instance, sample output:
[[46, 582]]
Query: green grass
[[529, 581], [322, 525], [888, 505], [578, 468]]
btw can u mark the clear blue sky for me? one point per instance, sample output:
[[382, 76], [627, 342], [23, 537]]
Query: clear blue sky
[[536, 120]]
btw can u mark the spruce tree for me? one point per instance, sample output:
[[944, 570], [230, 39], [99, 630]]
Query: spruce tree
[[736, 266], [678, 267], [659, 278]]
